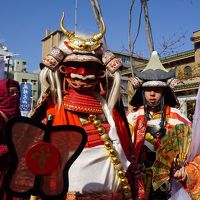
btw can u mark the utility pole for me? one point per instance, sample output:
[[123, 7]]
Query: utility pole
[[9, 56], [75, 17], [8, 66]]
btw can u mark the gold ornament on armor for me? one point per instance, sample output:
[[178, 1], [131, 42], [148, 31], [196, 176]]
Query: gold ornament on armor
[[113, 155]]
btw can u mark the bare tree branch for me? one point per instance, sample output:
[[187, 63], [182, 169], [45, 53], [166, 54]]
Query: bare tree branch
[[129, 26], [97, 12], [171, 45], [138, 29], [131, 46], [148, 26], [129, 35]]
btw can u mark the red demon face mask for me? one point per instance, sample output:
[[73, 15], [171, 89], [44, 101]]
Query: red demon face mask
[[82, 76]]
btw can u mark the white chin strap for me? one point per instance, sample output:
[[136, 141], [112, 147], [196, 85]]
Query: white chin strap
[[115, 91]]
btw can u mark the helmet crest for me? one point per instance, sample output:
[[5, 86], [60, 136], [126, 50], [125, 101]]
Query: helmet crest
[[78, 43]]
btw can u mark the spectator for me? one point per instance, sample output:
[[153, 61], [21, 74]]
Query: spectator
[[9, 107]]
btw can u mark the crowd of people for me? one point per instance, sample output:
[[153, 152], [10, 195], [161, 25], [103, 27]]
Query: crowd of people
[[80, 83]]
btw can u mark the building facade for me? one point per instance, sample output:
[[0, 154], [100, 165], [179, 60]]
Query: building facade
[[17, 70], [20, 74]]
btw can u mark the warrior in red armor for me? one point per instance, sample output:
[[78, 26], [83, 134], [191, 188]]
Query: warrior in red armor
[[81, 86]]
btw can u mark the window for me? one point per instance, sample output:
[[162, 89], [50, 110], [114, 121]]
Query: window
[[34, 92], [33, 82], [125, 59], [24, 80]]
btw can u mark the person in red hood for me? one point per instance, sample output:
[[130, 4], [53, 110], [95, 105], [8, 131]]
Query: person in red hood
[[9, 107]]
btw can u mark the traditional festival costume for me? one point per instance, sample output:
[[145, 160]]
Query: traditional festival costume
[[148, 128], [106, 169], [9, 107], [192, 184]]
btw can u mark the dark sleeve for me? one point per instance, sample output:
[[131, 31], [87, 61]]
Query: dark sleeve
[[2, 129], [4, 156], [39, 113]]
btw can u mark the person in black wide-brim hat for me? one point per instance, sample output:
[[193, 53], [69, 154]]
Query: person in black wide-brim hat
[[155, 112]]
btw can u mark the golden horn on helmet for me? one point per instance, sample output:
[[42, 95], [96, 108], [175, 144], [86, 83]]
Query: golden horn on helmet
[[64, 30], [101, 34], [70, 35]]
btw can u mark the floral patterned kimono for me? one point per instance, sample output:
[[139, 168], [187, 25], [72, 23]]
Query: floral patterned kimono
[[146, 143]]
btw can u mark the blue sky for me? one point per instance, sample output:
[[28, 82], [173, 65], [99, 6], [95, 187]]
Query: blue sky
[[23, 23]]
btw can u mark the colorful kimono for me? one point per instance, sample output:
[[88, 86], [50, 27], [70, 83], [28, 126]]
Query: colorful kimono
[[145, 143]]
